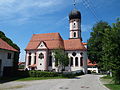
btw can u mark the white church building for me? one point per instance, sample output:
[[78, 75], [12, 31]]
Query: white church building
[[39, 51]]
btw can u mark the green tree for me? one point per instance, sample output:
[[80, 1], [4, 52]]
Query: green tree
[[110, 47], [95, 42], [61, 58]]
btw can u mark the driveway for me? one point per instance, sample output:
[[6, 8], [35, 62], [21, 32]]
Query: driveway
[[85, 82]]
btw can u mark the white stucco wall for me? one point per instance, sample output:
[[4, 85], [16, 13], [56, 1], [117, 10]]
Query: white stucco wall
[[74, 28], [84, 67], [5, 62], [53, 67], [41, 64]]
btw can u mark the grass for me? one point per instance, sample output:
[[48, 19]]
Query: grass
[[108, 82], [113, 86], [39, 78]]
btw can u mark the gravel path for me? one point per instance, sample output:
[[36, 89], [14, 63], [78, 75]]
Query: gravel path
[[85, 82]]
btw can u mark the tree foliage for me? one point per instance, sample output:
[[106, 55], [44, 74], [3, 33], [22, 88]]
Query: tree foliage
[[95, 41], [111, 49], [61, 58], [103, 47], [9, 41]]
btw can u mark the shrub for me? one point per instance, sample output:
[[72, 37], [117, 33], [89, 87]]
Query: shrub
[[42, 74]]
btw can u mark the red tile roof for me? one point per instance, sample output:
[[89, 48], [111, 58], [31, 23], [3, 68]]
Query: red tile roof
[[84, 43], [52, 41], [6, 46], [90, 63], [73, 44]]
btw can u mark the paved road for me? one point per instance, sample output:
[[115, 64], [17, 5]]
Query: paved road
[[85, 82]]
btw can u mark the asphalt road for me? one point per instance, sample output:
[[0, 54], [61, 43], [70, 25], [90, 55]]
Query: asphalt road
[[85, 82]]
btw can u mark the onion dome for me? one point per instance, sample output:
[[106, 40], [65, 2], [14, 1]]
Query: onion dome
[[75, 14]]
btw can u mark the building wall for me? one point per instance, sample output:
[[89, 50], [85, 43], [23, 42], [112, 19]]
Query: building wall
[[5, 62], [41, 63], [45, 60], [84, 55]]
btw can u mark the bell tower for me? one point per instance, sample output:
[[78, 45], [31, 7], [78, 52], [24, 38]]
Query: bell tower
[[75, 24]]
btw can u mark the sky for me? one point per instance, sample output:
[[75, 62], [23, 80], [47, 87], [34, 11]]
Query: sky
[[20, 19]]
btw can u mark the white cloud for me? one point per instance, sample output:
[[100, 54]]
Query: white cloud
[[22, 9]]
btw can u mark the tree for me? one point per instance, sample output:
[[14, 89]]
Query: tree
[[110, 47], [61, 58], [103, 47], [95, 42]]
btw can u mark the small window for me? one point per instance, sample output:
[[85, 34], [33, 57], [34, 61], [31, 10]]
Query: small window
[[81, 61], [40, 63], [41, 56], [76, 61], [74, 25], [74, 54], [34, 59], [74, 34], [29, 60], [71, 61], [50, 60], [81, 53], [29, 53], [9, 56]]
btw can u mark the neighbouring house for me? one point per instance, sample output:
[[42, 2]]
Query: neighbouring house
[[7, 54], [21, 65], [93, 67], [39, 51]]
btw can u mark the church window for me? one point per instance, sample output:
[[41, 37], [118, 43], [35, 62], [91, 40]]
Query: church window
[[73, 25], [71, 61], [29, 60], [40, 63], [35, 59], [50, 60], [81, 53], [76, 61], [41, 56], [29, 54], [81, 61], [74, 34], [74, 54], [9, 56]]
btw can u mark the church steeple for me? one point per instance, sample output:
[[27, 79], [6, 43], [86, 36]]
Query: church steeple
[[75, 24]]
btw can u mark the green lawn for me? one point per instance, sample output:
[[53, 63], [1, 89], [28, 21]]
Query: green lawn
[[39, 78], [108, 82], [113, 86]]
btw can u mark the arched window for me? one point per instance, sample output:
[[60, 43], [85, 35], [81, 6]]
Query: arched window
[[29, 60], [50, 60], [74, 34], [76, 61], [41, 55], [35, 59], [81, 53], [81, 61], [71, 61], [74, 54], [73, 25]]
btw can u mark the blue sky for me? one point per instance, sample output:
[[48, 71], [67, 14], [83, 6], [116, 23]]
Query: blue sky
[[19, 19]]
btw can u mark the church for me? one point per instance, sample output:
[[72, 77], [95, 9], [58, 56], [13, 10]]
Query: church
[[39, 51]]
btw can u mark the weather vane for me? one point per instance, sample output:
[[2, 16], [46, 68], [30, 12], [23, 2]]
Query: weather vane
[[74, 3]]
